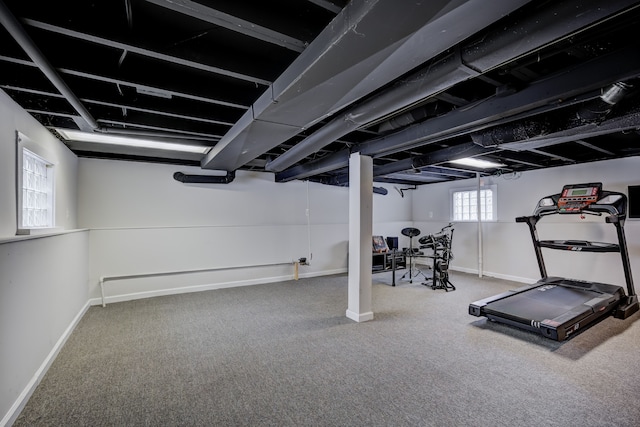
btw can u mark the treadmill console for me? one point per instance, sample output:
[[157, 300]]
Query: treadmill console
[[574, 198]]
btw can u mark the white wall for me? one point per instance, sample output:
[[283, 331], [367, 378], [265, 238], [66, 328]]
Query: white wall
[[43, 293], [507, 248], [43, 281], [143, 221]]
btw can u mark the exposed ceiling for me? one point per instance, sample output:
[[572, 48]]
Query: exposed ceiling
[[294, 86]]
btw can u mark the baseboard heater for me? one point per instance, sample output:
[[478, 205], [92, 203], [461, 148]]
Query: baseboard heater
[[104, 279]]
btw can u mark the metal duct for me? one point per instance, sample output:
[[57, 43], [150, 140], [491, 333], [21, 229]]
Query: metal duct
[[410, 117], [538, 130], [535, 99], [22, 38], [368, 45], [205, 179], [510, 133], [600, 108], [538, 30], [380, 190]]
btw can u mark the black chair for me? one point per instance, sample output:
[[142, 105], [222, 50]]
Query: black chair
[[411, 232]]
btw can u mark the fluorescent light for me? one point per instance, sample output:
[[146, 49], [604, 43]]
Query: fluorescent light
[[101, 138], [477, 163]]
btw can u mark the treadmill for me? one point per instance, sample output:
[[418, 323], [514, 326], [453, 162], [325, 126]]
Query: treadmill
[[558, 307]]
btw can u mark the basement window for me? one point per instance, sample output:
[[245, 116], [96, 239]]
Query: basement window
[[35, 189], [464, 204]]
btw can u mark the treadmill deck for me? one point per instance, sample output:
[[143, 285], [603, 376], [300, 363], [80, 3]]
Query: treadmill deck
[[554, 307]]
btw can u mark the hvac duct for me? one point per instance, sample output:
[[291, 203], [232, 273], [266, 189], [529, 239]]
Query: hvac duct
[[205, 179], [369, 44], [538, 30], [531, 134], [535, 99], [600, 108], [380, 190]]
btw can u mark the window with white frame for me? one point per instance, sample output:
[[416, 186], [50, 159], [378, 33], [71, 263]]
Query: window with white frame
[[35, 188], [464, 204]]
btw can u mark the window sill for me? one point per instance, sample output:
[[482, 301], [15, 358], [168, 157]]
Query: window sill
[[37, 231], [51, 232]]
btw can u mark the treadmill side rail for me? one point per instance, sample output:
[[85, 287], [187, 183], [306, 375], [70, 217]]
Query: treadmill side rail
[[477, 308]]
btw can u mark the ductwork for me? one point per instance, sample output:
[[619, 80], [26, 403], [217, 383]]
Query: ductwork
[[547, 26], [553, 93], [528, 131], [380, 190], [600, 108], [363, 49], [204, 179], [415, 115]]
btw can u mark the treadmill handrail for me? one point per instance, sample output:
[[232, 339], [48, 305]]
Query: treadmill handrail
[[580, 245]]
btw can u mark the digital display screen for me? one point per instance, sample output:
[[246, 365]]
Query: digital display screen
[[580, 191]]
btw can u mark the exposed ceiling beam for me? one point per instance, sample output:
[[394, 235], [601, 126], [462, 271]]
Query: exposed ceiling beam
[[120, 105], [128, 83], [125, 126], [418, 162], [594, 147], [156, 112], [17, 31], [145, 52], [551, 155], [326, 5], [230, 22], [439, 170]]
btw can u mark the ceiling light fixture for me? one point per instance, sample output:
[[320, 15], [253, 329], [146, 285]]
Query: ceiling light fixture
[[73, 135], [477, 163]]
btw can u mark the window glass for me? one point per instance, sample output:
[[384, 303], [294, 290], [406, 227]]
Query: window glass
[[465, 205], [34, 187]]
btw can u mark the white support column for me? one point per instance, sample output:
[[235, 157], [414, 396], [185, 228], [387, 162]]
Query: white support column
[[360, 231]]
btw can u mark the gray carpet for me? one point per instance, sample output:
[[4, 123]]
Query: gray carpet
[[284, 354]]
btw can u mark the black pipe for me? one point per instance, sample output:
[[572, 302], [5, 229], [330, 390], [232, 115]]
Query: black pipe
[[380, 190], [22, 38], [205, 179]]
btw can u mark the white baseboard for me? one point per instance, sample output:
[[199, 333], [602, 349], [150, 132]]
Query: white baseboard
[[207, 287], [23, 398], [525, 280], [360, 317]]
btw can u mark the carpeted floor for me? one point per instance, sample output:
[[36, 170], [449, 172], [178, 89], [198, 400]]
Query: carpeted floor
[[284, 354]]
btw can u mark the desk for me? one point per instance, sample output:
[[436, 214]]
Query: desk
[[388, 261]]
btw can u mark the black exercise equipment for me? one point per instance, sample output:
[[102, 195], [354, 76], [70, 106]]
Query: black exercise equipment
[[556, 307], [440, 246], [411, 253]]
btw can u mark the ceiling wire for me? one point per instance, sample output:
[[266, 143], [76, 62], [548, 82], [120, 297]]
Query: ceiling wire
[[127, 6]]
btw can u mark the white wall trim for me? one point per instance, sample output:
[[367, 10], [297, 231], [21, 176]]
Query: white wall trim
[[15, 410], [526, 280], [207, 287]]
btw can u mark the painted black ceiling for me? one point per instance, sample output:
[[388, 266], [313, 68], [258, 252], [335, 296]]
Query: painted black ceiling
[[294, 86]]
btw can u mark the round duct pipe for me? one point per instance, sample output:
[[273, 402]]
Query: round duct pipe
[[205, 179]]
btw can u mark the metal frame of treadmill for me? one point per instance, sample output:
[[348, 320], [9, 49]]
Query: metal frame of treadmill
[[611, 298]]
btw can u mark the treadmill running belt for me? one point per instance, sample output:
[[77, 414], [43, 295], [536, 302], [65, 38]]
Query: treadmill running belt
[[540, 303]]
